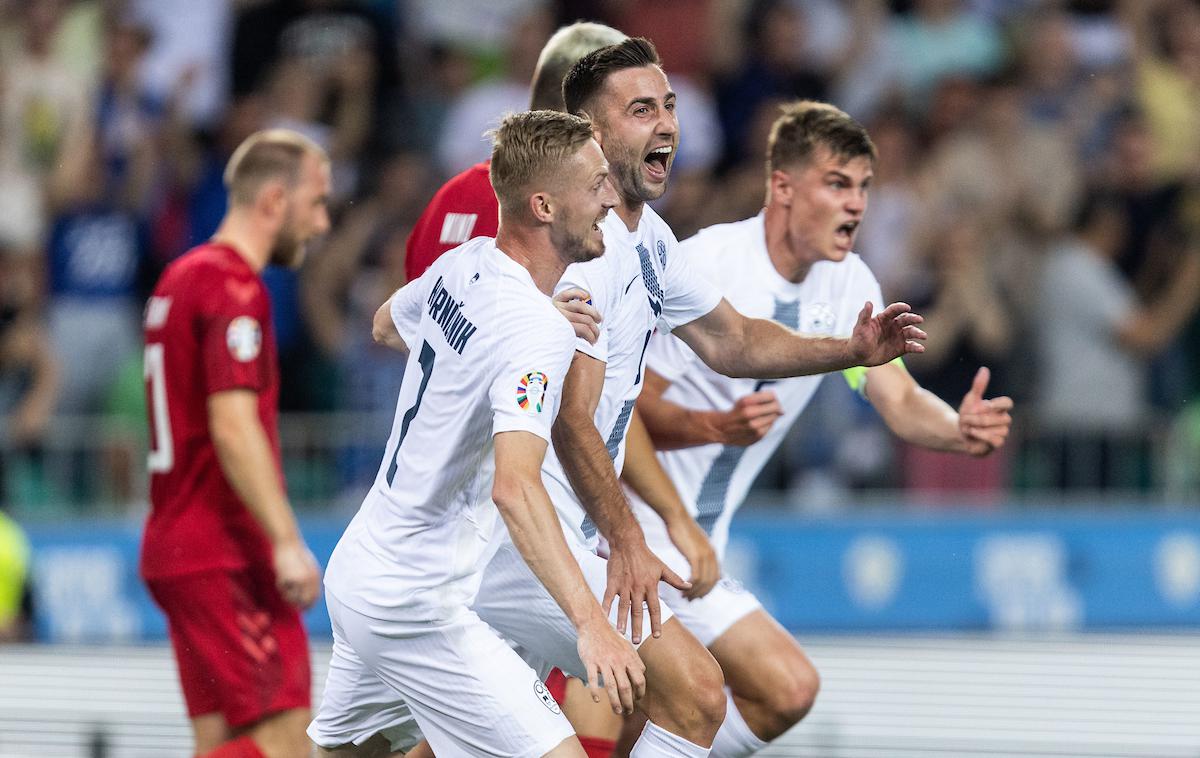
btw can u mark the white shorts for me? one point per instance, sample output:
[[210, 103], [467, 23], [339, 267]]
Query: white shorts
[[710, 616], [457, 683], [514, 603]]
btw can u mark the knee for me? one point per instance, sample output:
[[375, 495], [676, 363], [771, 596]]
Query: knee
[[707, 685], [794, 694]]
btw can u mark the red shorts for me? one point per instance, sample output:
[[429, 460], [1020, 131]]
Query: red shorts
[[241, 648]]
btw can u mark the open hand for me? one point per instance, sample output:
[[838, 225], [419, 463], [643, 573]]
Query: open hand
[[633, 575], [887, 336], [608, 655]]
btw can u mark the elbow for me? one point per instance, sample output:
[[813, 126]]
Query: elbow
[[379, 330]]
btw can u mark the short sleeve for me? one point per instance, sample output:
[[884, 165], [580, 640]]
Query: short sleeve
[[527, 387], [861, 288], [234, 317], [687, 295], [406, 310], [669, 357], [593, 278]]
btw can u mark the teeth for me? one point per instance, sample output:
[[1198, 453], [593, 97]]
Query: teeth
[[663, 150]]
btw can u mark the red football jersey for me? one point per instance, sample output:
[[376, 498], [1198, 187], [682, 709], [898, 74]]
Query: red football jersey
[[207, 329], [463, 208]]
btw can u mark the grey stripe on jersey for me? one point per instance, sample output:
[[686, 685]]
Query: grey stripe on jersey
[[714, 490]]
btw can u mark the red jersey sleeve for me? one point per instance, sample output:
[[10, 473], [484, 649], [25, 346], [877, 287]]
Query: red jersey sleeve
[[465, 207], [232, 336]]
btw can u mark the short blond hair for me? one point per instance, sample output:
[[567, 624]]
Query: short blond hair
[[532, 147], [806, 125], [266, 155], [561, 51]]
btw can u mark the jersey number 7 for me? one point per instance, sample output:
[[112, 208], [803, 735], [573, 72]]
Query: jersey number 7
[[426, 360]]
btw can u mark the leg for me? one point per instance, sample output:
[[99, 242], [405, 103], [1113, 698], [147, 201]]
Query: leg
[[209, 731], [684, 687], [376, 747], [281, 735], [772, 681], [595, 723]]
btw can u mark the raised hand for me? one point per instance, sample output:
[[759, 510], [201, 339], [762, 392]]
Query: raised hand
[[750, 418], [633, 575], [576, 306], [984, 424], [887, 336], [608, 655]]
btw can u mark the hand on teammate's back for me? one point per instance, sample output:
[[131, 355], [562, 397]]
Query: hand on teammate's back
[[296, 573], [750, 418], [984, 424], [888, 335], [633, 575], [609, 656], [576, 306], [687, 537]]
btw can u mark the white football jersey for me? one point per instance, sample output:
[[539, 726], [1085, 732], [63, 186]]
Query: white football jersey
[[638, 285], [488, 354], [714, 479]]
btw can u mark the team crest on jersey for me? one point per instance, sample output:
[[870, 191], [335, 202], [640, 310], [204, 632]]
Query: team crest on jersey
[[544, 695], [244, 338], [662, 253], [818, 318], [531, 391]]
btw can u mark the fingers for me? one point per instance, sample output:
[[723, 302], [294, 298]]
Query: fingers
[[639, 604], [637, 677], [655, 616], [913, 333], [894, 311], [913, 347], [610, 594], [623, 614], [865, 314], [979, 385], [1000, 403], [614, 694], [572, 293], [593, 682], [673, 579]]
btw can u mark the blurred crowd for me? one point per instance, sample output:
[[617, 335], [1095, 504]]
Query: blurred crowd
[[1037, 197]]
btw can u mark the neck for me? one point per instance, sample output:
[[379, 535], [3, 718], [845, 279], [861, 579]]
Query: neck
[[630, 212], [532, 249], [238, 231], [782, 248]]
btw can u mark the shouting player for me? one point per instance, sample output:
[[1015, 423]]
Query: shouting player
[[488, 358], [222, 554], [791, 263]]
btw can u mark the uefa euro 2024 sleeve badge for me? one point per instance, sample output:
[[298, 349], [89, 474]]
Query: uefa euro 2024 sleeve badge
[[531, 390], [243, 337]]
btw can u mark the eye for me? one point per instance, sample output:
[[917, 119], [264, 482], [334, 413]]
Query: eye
[[671, 106], [640, 110]]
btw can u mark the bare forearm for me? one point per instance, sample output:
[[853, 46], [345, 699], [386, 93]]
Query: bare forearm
[[672, 426], [772, 351], [537, 534], [250, 468], [646, 476], [920, 417], [591, 474]]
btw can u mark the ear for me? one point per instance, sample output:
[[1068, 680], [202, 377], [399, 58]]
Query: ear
[[542, 206], [782, 190], [272, 198]]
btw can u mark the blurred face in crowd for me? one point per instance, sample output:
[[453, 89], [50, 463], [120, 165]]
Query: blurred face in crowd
[[584, 196], [825, 200], [639, 131], [306, 213]]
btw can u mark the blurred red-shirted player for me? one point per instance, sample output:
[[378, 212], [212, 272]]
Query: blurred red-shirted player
[[222, 554], [463, 208]]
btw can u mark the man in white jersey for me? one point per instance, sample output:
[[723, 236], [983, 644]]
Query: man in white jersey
[[791, 263], [641, 286], [489, 354]]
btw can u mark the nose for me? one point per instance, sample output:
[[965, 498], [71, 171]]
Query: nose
[[609, 198], [668, 123], [856, 201]]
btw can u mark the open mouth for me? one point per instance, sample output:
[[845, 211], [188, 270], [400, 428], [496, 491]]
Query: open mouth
[[657, 159], [844, 234]]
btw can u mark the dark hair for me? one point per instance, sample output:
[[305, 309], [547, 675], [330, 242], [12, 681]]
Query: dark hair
[[588, 76], [806, 125]]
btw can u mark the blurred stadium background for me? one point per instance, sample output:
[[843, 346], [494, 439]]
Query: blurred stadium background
[[1037, 198]]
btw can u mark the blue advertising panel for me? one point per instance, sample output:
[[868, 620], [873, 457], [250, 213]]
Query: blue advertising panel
[[940, 571]]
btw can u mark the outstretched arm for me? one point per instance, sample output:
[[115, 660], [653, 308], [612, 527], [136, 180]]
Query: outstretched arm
[[633, 571], [918, 416], [672, 426], [737, 346]]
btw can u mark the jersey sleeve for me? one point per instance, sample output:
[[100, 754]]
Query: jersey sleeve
[[527, 387], [593, 278], [863, 286], [687, 295], [234, 315], [406, 310]]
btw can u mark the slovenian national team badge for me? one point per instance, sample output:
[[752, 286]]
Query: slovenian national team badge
[[531, 390]]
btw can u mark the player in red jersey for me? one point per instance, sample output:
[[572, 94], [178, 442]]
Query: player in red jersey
[[222, 554]]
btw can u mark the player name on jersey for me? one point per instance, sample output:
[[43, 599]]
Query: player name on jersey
[[446, 311]]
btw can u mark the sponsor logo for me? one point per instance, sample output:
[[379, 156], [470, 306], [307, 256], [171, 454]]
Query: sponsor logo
[[544, 695], [243, 337], [531, 391]]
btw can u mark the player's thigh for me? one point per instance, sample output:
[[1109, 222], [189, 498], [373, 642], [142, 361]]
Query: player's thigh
[[589, 717], [761, 660], [281, 734], [469, 692], [677, 665], [359, 714], [513, 602], [208, 731]]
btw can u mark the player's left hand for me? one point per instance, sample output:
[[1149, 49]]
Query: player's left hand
[[983, 424], [687, 536], [886, 336], [633, 575], [575, 305]]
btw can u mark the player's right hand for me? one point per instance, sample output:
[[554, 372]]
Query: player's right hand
[[750, 418], [633, 575], [608, 655], [296, 573], [576, 307], [890, 334]]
